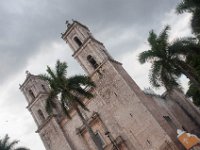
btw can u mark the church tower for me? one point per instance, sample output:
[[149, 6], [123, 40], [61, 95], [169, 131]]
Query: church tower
[[119, 101], [36, 91]]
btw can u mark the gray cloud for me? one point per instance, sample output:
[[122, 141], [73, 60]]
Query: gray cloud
[[26, 25], [29, 30]]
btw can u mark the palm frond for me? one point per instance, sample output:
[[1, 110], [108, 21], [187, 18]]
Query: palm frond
[[154, 74], [61, 68], [182, 7], [147, 56], [5, 140], [163, 36], [194, 93], [178, 49], [50, 101], [65, 104], [6, 145], [168, 80], [12, 144], [195, 21], [152, 39], [45, 77], [162, 42], [187, 6], [51, 73], [79, 80]]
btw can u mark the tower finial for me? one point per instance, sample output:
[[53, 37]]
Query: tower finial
[[67, 23], [27, 72]]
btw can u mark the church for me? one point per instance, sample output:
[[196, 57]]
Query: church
[[122, 116]]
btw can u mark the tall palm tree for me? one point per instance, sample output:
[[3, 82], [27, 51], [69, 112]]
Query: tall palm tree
[[183, 51], [191, 6], [193, 92], [168, 60], [5, 144], [72, 91], [191, 49]]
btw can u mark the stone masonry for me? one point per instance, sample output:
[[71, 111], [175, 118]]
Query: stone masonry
[[119, 114]]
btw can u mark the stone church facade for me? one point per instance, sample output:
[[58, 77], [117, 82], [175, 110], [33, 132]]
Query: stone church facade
[[121, 115]]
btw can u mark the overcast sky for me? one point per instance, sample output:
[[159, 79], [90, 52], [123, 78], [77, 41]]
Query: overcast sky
[[30, 40]]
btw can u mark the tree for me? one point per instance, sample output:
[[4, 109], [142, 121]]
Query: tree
[[168, 60], [5, 144], [193, 92], [72, 91], [191, 6]]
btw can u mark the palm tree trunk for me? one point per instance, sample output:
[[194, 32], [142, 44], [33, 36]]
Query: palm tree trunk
[[189, 73], [89, 129]]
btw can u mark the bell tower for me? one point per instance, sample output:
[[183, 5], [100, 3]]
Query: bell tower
[[36, 92], [118, 101], [89, 52]]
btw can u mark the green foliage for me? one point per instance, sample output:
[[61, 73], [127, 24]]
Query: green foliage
[[5, 144], [72, 90], [162, 73], [169, 60], [191, 6], [193, 91]]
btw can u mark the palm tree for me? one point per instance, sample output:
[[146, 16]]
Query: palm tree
[[6, 145], [183, 51], [168, 60], [191, 6], [72, 91], [193, 92]]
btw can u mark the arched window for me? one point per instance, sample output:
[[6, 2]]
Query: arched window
[[100, 139], [31, 94], [41, 115], [78, 42], [92, 61]]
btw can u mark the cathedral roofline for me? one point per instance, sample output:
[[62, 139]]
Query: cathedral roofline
[[71, 26], [28, 77]]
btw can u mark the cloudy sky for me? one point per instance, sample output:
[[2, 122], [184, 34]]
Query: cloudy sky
[[30, 40]]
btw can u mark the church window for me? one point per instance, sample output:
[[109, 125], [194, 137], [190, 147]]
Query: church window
[[78, 42], [31, 94], [100, 139], [41, 115], [92, 61], [44, 88], [169, 120]]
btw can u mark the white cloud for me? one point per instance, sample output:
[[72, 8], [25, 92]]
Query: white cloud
[[180, 24]]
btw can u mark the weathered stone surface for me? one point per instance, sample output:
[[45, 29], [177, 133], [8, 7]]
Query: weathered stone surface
[[120, 112]]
